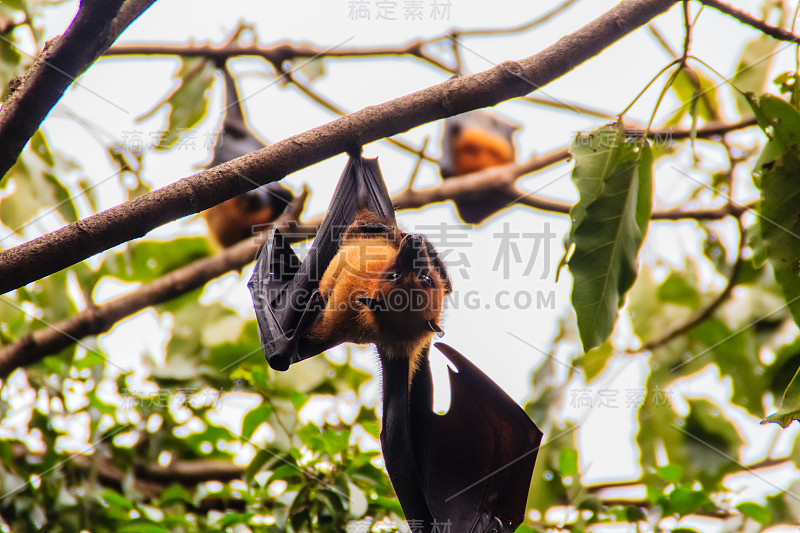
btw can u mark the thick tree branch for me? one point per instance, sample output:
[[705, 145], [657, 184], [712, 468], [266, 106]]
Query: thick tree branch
[[79, 240], [330, 106], [745, 18], [99, 319], [97, 24]]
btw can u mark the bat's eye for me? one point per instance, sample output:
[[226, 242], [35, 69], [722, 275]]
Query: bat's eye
[[394, 276], [426, 280], [375, 229]]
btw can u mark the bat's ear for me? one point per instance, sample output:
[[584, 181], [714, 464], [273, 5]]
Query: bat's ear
[[476, 461]]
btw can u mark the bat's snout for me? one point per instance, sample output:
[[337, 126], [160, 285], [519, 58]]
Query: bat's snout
[[413, 256]]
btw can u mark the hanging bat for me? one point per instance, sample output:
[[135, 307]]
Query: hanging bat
[[286, 291], [364, 280], [471, 142], [235, 219]]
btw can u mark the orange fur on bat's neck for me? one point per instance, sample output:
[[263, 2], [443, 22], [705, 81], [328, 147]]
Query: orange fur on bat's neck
[[234, 220], [476, 149], [366, 268]]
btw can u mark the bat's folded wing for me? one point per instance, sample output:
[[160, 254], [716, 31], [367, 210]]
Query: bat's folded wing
[[285, 301], [477, 460], [285, 290]]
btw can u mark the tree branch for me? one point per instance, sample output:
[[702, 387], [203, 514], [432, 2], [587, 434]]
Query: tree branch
[[99, 319], [97, 24], [133, 219], [506, 31], [330, 106], [745, 18], [276, 55], [704, 314]]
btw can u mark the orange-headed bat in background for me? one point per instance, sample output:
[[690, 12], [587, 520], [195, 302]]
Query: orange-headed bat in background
[[471, 142], [235, 219]]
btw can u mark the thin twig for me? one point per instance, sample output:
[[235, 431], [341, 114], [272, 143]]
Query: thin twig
[[709, 310], [745, 18], [569, 106], [275, 54], [514, 29], [418, 164]]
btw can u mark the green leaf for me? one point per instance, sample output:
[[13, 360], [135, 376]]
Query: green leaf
[[149, 260], [712, 442], [594, 155], [656, 433], [255, 418], [114, 498], [756, 512], [188, 103], [714, 250], [634, 514], [10, 62], [671, 473], [685, 501], [568, 462], [235, 518], [261, 458], [676, 289], [736, 355], [609, 233], [779, 373], [174, 494], [142, 526], [696, 95], [595, 360], [753, 69], [35, 188], [790, 405], [591, 503], [298, 399], [783, 506], [778, 168], [89, 360]]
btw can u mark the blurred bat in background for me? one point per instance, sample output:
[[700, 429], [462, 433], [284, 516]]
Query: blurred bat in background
[[471, 142], [235, 219]]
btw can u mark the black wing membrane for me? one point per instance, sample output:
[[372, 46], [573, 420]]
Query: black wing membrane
[[236, 140], [285, 290], [475, 462]]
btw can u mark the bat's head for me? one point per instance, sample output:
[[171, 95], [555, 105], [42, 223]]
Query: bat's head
[[406, 299], [474, 141], [243, 216], [383, 287]]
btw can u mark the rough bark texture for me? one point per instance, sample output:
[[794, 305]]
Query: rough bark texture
[[95, 27], [79, 240]]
